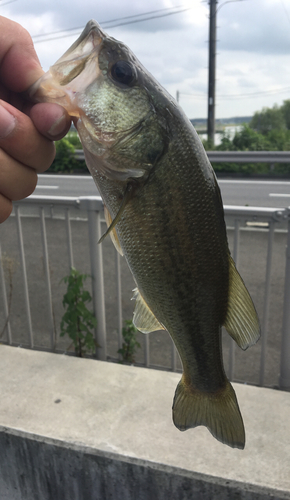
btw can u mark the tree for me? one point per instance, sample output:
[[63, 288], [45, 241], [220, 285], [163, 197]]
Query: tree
[[248, 139], [268, 119], [285, 108]]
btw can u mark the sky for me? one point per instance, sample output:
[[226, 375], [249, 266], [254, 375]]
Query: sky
[[253, 44]]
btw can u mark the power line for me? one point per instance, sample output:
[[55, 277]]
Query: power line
[[138, 18], [239, 96], [109, 21], [286, 11], [228, 1], [10, 1], [56, 37], [149, 18], [255, 94]]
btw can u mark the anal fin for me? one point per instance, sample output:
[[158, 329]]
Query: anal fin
[[241, 321], [143, 317]]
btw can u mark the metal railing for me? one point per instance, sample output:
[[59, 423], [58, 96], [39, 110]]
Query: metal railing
[[272, 217], [240, 221], [249, 156], [233, 156]]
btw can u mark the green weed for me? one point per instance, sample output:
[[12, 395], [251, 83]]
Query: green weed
[[130, 344], [78, 322]]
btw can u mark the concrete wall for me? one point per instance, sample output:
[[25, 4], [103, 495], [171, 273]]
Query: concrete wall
[[34, 469], [78, 429]]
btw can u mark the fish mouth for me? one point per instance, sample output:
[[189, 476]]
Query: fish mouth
[[66, 77]]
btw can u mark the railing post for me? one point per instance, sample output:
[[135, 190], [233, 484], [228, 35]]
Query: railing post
[[69, 239], [265, 319], [119, 299], [7, 326], [47, 276], [284, 380], [94, 207], [173, 357], [24, 275], [236, 258]]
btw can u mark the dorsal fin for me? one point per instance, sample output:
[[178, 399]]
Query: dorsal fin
[[113, 232], [143, 317], [241, 320]]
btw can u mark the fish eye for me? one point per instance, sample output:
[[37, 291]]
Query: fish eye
[[123, 72]]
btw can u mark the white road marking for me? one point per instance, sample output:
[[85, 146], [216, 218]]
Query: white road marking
[[46, 187], [61, 176], [280, 195], [253, 181]]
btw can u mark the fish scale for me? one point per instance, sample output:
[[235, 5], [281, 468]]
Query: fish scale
[[180, 247], [165, 215]]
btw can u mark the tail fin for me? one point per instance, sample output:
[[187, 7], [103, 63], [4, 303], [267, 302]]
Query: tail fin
[[218, 412]]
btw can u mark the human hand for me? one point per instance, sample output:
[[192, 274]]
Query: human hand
[[27, 131]]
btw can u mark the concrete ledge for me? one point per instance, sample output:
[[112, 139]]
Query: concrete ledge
[[74, 429]]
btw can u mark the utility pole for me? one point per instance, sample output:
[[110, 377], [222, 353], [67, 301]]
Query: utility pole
[[211, 72]]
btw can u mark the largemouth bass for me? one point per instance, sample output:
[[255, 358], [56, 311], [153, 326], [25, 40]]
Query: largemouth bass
[[165, 215]]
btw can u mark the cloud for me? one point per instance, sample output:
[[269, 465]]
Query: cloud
[[69, 13], [253, 39], [259, 26]]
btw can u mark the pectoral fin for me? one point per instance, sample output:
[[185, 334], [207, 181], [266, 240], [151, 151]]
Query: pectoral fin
[[113, 233], [129, 193], [241, 320], [143, 317]]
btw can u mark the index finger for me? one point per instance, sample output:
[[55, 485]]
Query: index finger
[[19, 64], [24, 143]]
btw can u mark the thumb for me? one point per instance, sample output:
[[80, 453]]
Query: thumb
[[51, 120]]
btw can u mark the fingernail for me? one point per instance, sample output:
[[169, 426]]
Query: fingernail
[[7, 122], [58, 126]]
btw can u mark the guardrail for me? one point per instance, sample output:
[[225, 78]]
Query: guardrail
[[249, 156], [234, 156], [90, 210]]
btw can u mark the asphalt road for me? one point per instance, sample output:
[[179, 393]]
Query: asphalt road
[[259, 193]]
